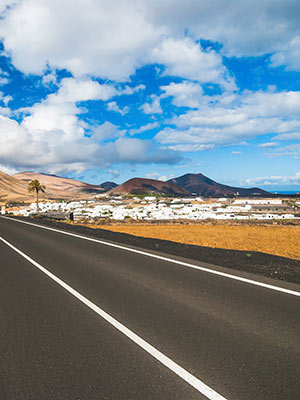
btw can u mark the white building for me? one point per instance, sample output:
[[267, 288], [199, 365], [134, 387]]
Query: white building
[[258, 201]]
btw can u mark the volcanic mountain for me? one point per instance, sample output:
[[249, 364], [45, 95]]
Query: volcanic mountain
[[11, 189], [58, 187], [203, 186], [108, 185], [138, 186]]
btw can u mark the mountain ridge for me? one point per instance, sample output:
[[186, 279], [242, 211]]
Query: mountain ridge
[[201, 185], [60, 187], [14, 188], [139, 186]]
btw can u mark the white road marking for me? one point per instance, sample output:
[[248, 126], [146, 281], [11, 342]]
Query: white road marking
[[166, 361], [144, 253]]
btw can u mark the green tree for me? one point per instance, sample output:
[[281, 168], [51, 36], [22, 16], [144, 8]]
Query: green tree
[[35, 186]]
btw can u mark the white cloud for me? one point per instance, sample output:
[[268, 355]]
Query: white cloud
[[5, 4], [291, 150], [56, 151], [49, 79], [5, 100], [3, 77], [132, 150], [185, 94], [144, 128], [274, 180], [112, 39], [243, 28], [288, 55], [113, 106], [131, 90], [114, 172], [106, 132], [3, 80], [8, 170], [158, 176], [236, 152], [231, 121], [53, 138], [153, 175], [186, 58], [75, 90], [268, 145], [288, 136], [154, 107], [99, 38]]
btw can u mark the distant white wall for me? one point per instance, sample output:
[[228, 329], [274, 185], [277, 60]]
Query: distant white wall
[[258, 201]]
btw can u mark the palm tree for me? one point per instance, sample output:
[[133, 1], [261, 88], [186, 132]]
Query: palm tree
[[35, 186]]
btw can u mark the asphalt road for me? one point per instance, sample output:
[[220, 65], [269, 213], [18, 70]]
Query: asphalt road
[[240, 339]]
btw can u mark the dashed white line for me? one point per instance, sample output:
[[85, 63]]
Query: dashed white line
[[166, 361], [171, 260]]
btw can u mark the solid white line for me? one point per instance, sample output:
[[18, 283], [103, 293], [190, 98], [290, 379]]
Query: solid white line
[[166, 361], [144, 253]]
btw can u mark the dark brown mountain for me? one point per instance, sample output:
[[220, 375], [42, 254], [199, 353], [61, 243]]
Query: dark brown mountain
[[108, 185], [203, 186], [140, 186]]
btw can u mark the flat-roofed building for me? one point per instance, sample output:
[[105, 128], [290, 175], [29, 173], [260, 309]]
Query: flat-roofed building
[[278, 208]]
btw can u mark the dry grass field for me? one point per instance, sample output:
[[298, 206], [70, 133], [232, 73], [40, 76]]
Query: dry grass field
[[279, 240]]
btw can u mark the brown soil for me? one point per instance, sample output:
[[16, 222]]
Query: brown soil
[[278, 240]]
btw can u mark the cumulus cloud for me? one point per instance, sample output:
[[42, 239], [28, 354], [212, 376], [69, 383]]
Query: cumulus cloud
[[112, 39], [49, 79], [4, 99], [289, 55], [153, 107], [158, 176], [274, 180], [291, 150], [3, 77], [186, 58], [128, 90], [114, 173], [185, 94], [55, 151], [5, 4], [224, 121], [288, 136], [244, 29], [268, 145], [105, 39], [57, 115], [144, 128], [106, 132], [53, 138], [113, 106]]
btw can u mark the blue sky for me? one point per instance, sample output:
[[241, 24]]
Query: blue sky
[[108, 91]]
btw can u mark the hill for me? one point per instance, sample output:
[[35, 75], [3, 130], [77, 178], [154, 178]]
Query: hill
[[58, 187], [11, 189], [204, 186], [108, 185], [138, 186]]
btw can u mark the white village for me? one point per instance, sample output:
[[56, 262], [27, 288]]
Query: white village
[[148, 208]]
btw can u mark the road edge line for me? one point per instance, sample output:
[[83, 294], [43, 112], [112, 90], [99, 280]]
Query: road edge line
[[185, 264], [166, 361]]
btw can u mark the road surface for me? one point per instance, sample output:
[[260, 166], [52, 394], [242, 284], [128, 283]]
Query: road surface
[[184, 333]]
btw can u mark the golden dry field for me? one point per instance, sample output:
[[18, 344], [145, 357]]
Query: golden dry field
[[279, 240]]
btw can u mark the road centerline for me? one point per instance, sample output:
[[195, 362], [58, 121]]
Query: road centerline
[[171, 260], [193, 381]]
